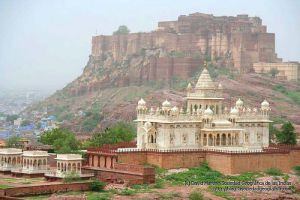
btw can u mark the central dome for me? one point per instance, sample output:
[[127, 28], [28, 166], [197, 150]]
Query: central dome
[[205, 81]]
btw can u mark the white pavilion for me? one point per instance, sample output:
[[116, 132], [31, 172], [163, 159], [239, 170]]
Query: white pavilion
[[10, 158]]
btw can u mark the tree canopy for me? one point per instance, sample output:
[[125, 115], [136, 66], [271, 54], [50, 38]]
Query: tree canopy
[[11, 118], [13, 142], [122, 30], [119, 132], [287, 134], [62, 140]]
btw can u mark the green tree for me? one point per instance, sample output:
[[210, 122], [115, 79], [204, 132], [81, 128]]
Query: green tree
[[11, 118], [287, 135], [273, 132], [62, 140], [274, 72], [13, 141], [91, 121], [122, 30], [119, 132], [25, 122]]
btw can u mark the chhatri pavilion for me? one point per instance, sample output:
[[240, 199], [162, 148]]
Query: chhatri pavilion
[[205, 123]]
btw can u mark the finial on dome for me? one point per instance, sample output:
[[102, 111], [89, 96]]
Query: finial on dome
[[220, 86], [141, 102], [234, 111], [189, 87], [166, 103], [239, 103], [265, 105], [208, 111]]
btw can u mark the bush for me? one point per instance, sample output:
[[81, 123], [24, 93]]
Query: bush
[[122, 30], [297, 170], [287, 135], [97, 185], [62, 140], [71, 177], [273, 172], [196, 195], [127, 192], [198, 174], [159, 184], [119, 132]]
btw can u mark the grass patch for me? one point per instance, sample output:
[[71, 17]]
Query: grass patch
[[199, 174], [168, 195], [2, 186], [247, 176], [159, 184], [127, 192], [196, 195], [293, 95], [274, 172], [99, 196], [297, 170]]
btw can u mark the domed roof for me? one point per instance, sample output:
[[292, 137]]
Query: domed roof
[[189, 87], [205, 81], [166, 103], [265, 103], [174, 109], [148, 125], [208, 111], [239, 102], [220, 86], [141, 102], [234, 111]]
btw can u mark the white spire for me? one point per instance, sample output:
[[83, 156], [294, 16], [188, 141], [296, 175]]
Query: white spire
[[205, 81]]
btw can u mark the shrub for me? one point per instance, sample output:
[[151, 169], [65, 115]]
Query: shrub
[[127, 192], [273, 172], [159, 184], [168, 195], [71, 177], [287, 135], [97, 185], [297, 170], [196, 195], [197, 174]]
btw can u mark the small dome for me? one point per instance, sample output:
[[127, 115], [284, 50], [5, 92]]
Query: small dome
[[181, 111], [189, 87], [220, 86], [148, 125], [152, 110], [174, 109], [265, 104], [166, 103], [239, 103], [141, 102], [234, 111], [208, 111]]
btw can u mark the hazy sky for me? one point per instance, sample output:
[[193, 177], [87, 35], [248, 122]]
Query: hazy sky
[[46, 44]]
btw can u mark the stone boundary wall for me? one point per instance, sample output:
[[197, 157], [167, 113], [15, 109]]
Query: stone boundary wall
[[224, 161], [168, 160], [44, 189]]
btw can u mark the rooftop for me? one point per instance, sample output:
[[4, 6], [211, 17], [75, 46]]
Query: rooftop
[[35, 153], [10, 151], [68, 157]]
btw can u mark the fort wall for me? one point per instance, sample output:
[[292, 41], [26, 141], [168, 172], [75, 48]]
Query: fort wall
[[243, 40]]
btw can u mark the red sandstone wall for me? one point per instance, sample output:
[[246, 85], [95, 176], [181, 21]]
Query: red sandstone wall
[[44, 189], [239, 163], [223, 162], [219, 162], [165, 160]]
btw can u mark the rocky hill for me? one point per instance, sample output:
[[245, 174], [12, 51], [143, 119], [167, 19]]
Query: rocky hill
[[158, 65]]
